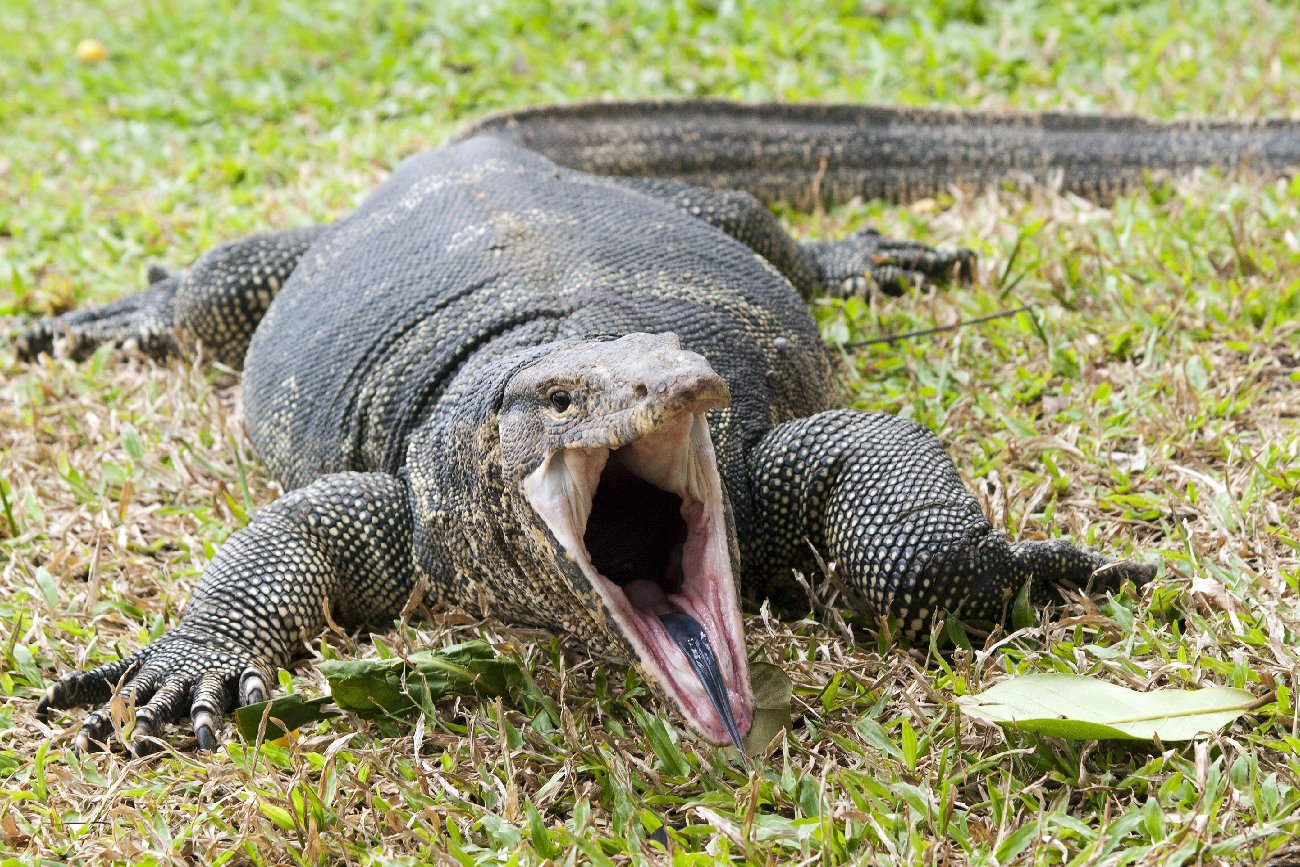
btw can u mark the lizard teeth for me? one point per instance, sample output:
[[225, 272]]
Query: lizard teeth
[[647, 526]]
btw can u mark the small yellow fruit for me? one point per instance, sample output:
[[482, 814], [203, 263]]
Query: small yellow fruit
[[91, 51]]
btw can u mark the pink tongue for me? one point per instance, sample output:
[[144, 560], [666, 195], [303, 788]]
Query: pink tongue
[[646, 597]]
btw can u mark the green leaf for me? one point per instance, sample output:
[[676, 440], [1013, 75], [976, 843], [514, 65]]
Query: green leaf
[[375, 687], [292, 710], [538, 834], [368, 687], [876, 737], [1022, 610], [278, 815], [662, 743], [772, 690], [955, 631], [1082, 708], [397, 686], [131, 442], [907, 738], [1017, 842]]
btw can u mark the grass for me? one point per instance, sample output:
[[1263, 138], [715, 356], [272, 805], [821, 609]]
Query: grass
[[1147, 403]]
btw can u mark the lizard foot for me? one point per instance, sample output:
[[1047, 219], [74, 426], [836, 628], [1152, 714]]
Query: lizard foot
[[142, 320], [868, 261], [1056, 561], [160, 681]]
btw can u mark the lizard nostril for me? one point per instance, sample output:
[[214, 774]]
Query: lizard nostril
[[640, 390]]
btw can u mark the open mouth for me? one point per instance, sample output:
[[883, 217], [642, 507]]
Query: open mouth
[[646, 524]]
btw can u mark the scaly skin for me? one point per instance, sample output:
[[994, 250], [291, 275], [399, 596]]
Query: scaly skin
[[811, 154], [427, 358]]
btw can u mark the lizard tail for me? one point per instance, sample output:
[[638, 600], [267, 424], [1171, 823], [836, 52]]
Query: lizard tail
[[812, 154]]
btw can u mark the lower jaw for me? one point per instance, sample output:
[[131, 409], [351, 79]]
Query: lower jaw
[[694, 643], [682, 658]]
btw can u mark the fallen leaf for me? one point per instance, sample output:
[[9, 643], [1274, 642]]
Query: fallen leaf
[[1083, 708], [293, 711], [1215, 594], [772, 690], [376, 687]]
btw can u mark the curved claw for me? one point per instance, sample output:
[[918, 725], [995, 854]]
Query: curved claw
[[140, 748], [33, 341], [252, 687], [896, 270], [212, 697], [43, 706], [94, 733], [894, 281], [205, 736], [936, 264], [1112, 574], [88, 687], [144, 741]]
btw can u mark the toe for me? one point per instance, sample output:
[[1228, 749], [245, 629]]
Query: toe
[[253, 687], [86, 687], [162, 682], [204, 732], [95, 731], [34, 341], [894, 280], [1112, 574], [145, 742], [211, 699], [47, 701], [140, 690], [165, 706]]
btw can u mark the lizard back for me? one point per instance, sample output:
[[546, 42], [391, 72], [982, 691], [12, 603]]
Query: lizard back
[[474, 250]]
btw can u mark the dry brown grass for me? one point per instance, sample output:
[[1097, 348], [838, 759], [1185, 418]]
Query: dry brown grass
[[107, 544], [1152, 409]]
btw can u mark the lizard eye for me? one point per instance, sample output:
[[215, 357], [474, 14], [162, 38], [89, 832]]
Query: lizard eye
[[561, 400]]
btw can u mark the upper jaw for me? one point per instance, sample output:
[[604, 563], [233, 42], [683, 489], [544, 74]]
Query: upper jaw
[[642, 418], [650, 512]]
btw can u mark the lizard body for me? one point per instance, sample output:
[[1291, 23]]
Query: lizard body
[[591, 402]]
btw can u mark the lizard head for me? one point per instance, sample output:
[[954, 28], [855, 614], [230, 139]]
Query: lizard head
[[607, 443]]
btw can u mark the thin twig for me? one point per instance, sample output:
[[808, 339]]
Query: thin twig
[[924, 332]]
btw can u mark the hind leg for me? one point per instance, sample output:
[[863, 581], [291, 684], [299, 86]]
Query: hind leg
[[863, 262], [867, 261], [216, 304]]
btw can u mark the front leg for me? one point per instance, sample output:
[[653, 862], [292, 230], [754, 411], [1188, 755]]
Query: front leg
[[344, 540], [217, 303], [878, 496]]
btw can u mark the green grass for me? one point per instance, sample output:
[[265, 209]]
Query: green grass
[[1148, 403]]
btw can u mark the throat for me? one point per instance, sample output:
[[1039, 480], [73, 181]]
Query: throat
[[635, 536]]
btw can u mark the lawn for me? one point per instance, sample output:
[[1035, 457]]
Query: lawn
[[1147, 403]]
